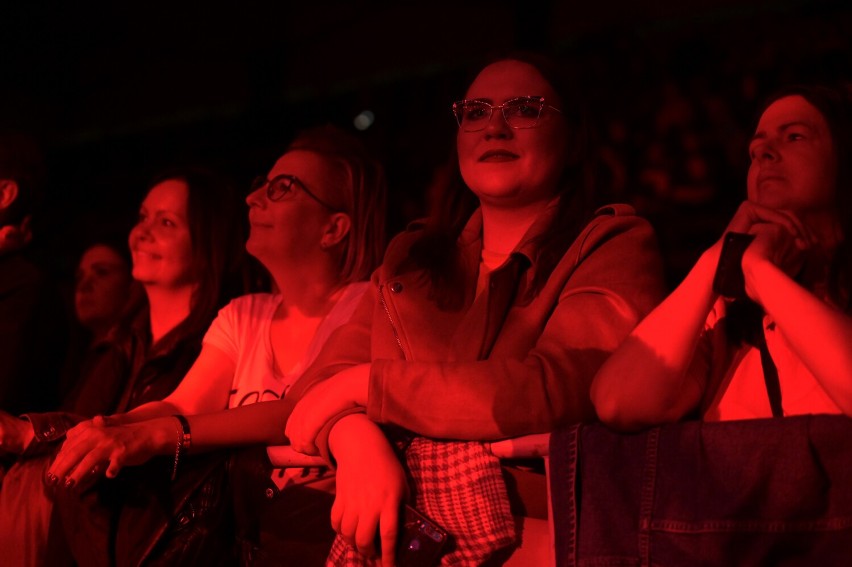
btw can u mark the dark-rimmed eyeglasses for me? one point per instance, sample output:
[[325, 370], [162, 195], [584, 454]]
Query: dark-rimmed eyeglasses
[[279, 186], [521, 112]]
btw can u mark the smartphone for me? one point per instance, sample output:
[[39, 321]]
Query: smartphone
[[728, 281], [420, 540]]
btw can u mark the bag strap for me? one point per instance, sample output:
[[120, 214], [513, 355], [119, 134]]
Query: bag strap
[[746, 318], [770, 376]]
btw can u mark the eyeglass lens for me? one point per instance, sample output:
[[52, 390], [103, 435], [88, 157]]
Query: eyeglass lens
[[473, 115], [277, 187]]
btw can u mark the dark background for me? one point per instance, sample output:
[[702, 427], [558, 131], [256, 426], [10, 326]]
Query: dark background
[[113, 94]]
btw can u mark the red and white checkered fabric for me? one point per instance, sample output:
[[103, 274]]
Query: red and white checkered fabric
[[459, 486]]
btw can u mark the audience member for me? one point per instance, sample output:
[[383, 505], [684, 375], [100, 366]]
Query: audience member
[[317, 225], [486, 322], [102, 287], [104, 291], [777, 341], [184, 266]]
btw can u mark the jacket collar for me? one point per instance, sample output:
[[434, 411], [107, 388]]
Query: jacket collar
[[527, 250]]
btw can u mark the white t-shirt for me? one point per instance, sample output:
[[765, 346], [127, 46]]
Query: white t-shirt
[[241, 331], [742, 390]]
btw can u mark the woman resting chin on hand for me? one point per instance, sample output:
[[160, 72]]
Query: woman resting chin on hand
[[701, 352]]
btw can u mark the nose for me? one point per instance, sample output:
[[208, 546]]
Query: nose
[[497, 126], [257, 198], [766, 152], [84, 283], [141, 231]]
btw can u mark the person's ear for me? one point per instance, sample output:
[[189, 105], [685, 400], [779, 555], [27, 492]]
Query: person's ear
[[8, 193], [336, 230]]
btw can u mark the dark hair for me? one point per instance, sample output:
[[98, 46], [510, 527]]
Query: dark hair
[[362, 192], [115, 242], [217, 235], [835, 105], [436, 250]]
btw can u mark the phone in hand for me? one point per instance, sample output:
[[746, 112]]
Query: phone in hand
[[420, 540], [729, 281]]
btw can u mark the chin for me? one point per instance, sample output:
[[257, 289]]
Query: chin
[[143, 276], [496, 191]]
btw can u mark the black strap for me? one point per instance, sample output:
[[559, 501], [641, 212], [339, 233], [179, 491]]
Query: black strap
[[745, 319], [770, 377]]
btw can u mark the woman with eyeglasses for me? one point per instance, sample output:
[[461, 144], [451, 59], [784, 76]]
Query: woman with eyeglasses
[[487, 321], [317, 226]]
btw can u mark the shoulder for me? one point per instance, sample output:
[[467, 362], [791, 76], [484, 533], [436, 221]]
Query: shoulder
[[412, 233], [618, 222], [617, 214], [617, 248], [400, 245], [251, 304], [243, 315]]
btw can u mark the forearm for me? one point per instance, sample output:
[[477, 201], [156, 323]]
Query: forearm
[[151, 410], [821, 336], [514, 392], [645, 381], [255, 424]]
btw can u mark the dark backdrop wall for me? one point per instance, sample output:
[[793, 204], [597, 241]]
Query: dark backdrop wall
[[114, 93]]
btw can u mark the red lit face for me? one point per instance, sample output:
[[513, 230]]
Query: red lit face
[[102, 282], [793, 163], [507, 167], [160, 242], [290, 229]]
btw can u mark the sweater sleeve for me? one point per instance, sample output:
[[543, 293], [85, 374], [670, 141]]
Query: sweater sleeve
[[608, 281]]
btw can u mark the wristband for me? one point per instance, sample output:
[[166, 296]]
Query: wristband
[[184, 442], [729, 280]]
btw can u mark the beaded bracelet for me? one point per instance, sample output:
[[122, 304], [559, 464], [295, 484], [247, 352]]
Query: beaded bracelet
[[184, 442]]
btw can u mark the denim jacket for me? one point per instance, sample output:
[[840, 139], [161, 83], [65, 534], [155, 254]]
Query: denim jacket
[[752, 492]]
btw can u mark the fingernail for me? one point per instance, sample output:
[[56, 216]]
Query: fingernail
[[51, 479], [69, 483]]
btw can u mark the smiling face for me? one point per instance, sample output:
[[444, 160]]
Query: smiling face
[[508, 167], [160, 243], [793, 162], [102, 284], [291, 229]]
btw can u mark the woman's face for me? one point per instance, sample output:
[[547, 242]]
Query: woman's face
[[160, 243], [793, 163], [291, 229], [102, 284], [503, 166]]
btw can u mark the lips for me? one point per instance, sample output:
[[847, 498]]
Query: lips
[[256, 223], [498, 156], [145, 254], [766, 176]]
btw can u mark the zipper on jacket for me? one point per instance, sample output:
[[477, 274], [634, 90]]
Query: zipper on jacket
[[390, 319]]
